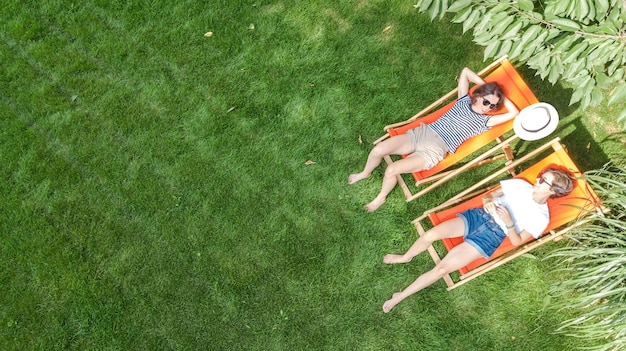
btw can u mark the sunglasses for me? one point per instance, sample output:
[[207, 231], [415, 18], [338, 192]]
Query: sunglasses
[[542, 180], [488, 103]]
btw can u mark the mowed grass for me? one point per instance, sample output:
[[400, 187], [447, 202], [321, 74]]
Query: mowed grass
[[156, 191]]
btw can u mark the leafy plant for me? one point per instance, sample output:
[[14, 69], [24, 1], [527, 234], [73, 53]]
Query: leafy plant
[[581, 42], [596, 266]]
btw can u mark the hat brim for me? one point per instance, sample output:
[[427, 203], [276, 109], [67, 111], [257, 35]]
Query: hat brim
[[536, 121]]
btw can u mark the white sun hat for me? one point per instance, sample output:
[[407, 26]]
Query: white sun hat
[[536, 121]]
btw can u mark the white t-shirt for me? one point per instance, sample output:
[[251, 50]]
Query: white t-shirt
[[526, 213]]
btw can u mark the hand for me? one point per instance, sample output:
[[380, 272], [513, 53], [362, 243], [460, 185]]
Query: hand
[[490, 207], [504, 215]]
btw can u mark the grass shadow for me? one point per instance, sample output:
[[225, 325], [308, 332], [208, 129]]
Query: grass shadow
[[586, 152]]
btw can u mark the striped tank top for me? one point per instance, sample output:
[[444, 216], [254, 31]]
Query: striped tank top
[[459, 124]]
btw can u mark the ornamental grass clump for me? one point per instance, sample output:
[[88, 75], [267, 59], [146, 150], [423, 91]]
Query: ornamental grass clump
[[596, 266]]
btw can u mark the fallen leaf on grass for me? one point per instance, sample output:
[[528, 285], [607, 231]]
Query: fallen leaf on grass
[[386, 29], [360, 140], [231, 109], [208, 34], [588, 146], [309, 162]]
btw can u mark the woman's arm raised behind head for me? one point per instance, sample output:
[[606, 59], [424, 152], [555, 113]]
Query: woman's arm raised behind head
[[468, 76], [512, 111]]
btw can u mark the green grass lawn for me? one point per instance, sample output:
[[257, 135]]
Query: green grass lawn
[[156, 194]]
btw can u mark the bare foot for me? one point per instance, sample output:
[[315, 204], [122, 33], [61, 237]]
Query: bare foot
[[374, 205], [391, 258], [355, 177], [391, 303]]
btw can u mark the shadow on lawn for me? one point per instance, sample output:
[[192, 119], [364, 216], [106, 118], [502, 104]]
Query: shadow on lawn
[[582, 146]]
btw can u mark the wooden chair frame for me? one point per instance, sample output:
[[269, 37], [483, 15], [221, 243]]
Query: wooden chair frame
[[515, 88], [578, 208]]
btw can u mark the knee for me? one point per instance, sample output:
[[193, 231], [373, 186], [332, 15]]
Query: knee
[[379, 151], [431, 235], [392, 170], [441, 270]]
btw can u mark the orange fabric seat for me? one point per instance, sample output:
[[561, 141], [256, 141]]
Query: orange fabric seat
[[513, 86], [580, 203]]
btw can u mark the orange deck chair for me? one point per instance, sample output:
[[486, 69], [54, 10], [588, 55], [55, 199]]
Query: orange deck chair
[[565, 213], [513, 86]]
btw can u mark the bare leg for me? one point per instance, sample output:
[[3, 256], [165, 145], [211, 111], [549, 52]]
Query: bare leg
[[449, 229], [458, 257], [403, 166], [396, 145]]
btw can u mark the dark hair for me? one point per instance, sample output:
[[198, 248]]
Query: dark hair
[[488, 89], [563, 181]]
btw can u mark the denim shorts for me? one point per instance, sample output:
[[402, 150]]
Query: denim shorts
[[481, 231]]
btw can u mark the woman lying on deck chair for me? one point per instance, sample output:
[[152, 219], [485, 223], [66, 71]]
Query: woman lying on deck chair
[[518, 210], [429, 143]]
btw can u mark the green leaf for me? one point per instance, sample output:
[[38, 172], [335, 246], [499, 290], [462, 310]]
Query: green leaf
[[433, 10], [526, 5], [582, 10], [572, 69], [599, 53], [602, 6], [579, 79], [608, 28], [560, 6], [500, 8], [491, 49], [566, 24], [575, 52], [591, 14], [502, 25], [539, 61], [516, 49], [621, 118], [571, 7], [619, 74], [483, 38], [615, 64], [618, 94], [490, 20], [424, 5], [512, 30], [533, 47], [505, 47], [530, 34], [617, 48], [580, 91], [556, 70], [614, 13], [471, 21], [552, 33], [603, 80], [596, 96], [460, 5], [443, 9], [564, 44], [463, 15]]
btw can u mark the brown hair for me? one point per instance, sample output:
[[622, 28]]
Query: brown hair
[[563, 182], [488, 89]]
